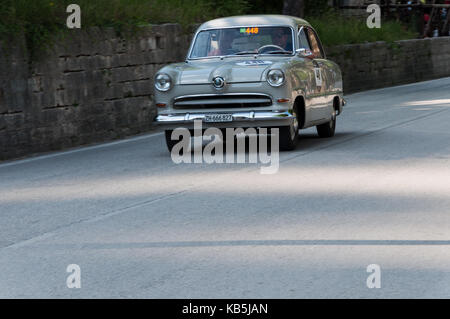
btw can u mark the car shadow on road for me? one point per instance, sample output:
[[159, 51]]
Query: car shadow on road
[[310, 140], [305, 141]]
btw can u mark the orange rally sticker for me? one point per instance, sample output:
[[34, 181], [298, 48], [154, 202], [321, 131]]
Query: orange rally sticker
[[249, 30]]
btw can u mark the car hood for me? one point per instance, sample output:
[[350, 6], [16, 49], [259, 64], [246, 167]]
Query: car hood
[[232, 70]]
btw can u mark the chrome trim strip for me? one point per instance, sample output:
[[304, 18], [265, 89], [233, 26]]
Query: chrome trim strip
[[232, 82], [220, 95], [237, 117], [224, 101]]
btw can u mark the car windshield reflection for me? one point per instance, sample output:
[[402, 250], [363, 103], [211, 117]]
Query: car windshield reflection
[[243, 41]]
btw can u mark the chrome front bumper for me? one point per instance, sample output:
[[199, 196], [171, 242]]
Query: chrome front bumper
[[240, 119]]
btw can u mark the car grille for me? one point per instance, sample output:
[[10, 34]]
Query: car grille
[[222, 101]]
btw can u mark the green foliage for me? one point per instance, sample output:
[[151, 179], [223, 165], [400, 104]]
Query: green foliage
[[334, 29], [316, 7], [40, 20], [21, 14], [35, 20], [265, 7]]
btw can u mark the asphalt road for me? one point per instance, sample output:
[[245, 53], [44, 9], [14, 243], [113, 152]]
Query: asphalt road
[[139, 225]]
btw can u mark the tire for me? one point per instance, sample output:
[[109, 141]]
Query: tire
[[169, 142], [288, 137], [287, 140], [327, 129]]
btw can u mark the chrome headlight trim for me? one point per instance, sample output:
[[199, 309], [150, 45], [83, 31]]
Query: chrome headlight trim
[[275, 77], [163, 82]]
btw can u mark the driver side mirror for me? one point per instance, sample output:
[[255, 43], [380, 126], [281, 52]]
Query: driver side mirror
[[305, 53]]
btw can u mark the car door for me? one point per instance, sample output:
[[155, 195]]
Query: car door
[[323, 98], [308, 79]]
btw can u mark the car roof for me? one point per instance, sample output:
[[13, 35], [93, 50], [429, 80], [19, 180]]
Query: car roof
[[253, 20]]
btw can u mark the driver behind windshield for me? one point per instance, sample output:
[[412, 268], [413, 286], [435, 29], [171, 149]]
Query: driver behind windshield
[[282, 38]]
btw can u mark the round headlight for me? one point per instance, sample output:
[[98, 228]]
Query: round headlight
[[163, 82], [275, 77]]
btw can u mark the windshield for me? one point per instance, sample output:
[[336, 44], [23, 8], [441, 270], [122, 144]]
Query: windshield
[[241, 41]]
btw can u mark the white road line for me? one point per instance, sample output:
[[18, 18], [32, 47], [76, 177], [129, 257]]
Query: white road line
[[137, 138], [421, 83], [82, 149]]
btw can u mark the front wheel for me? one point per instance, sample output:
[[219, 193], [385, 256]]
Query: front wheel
[[327, 129], [288, 135]]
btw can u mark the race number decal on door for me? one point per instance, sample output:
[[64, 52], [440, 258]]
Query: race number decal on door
[[318, 74]]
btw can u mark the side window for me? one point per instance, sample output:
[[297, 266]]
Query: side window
[[202, 46], [315, 44], [303, 40]]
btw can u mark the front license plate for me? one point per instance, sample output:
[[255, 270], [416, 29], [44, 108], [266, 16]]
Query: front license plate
[[219, 118]]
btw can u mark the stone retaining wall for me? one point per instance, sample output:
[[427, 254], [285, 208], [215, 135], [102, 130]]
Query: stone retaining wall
[[379, 64], [96, 85]]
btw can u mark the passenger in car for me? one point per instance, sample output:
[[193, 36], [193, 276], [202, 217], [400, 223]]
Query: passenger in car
[[225, 45]]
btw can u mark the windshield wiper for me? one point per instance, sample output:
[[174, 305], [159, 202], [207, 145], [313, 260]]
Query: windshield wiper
[[245, 52], [279, 52]]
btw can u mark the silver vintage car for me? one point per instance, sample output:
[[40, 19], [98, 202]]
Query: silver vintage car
[[252, 71]]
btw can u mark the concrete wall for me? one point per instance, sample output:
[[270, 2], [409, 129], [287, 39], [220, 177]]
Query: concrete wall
[[96, 85]]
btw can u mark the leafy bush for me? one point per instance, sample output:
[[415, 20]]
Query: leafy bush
[[39, 20], [41, 17]]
